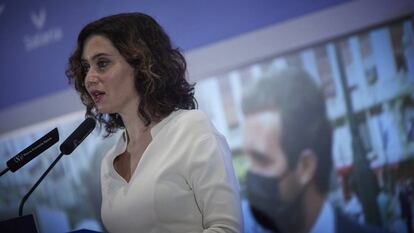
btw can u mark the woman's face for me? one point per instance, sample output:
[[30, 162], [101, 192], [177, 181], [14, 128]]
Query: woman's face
[[109, 79]]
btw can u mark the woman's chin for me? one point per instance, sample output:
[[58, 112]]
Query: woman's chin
[[103, 110]]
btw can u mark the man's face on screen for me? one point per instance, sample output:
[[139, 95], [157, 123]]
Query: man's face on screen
[[273, 188], [262, 144]]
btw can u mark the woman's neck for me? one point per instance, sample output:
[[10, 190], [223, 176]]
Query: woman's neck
[[135, 127]]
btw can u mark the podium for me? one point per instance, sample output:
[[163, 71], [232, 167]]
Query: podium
[[27, 224], [84, 231], [23, 224]]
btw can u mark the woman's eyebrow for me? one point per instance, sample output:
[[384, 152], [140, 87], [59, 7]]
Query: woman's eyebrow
[[94, 57]]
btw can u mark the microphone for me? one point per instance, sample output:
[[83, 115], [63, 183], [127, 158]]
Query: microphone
[[83, 130], [32, 151], [67, 147]]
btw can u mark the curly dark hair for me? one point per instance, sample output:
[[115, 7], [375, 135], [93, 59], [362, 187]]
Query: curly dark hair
[[159, 68]]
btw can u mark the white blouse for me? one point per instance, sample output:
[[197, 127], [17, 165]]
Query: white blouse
[[183, 183]]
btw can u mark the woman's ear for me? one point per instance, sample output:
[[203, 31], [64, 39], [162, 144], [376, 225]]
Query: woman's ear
[[306, 166]]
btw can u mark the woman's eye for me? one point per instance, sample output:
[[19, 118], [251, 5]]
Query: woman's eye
[[102, 64]]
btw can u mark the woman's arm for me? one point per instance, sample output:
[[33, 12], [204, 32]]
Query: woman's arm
[[215, 186]]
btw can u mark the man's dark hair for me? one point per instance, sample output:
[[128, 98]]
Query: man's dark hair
[[301, 104], [159, 68]]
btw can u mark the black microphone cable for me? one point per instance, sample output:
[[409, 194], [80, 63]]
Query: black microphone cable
[[37, 183]]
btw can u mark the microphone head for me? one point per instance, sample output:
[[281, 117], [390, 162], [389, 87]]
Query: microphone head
[[80, 133], [33, 150]]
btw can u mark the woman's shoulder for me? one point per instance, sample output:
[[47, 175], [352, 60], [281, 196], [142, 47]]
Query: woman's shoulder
[[192, 118], [194, 121]]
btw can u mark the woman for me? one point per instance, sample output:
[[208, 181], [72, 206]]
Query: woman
[[170, 170]]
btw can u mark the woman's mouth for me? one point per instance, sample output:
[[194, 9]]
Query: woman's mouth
[[97, 95]]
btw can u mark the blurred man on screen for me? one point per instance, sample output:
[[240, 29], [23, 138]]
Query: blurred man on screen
[[287, 137]]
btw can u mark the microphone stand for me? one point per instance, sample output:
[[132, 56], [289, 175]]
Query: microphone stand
[[37, 183], [4, 171]]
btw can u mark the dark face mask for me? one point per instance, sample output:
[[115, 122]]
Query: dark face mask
[[268, 209]]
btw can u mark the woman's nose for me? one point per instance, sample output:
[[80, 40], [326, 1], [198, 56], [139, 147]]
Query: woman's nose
[[91, 78]]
